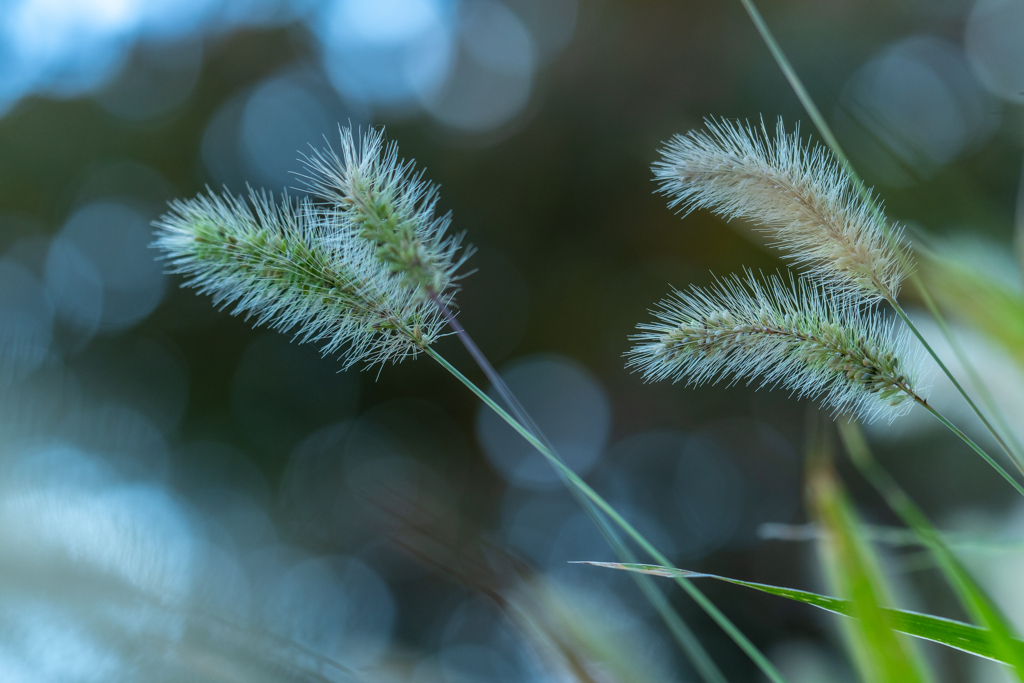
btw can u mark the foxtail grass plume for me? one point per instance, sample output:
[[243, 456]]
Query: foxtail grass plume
[[293, 268], [390, 205], [796, 193], [794, 335]]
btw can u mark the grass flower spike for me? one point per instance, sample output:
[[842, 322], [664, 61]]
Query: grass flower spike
[[391, 206], [798, 194], [295, 269], [794, 335]]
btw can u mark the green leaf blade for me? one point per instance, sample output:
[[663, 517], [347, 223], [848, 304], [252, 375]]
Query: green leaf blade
[[999, 634], [967, 638]]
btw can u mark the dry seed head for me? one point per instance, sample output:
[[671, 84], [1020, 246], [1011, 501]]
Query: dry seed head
[[821, 345], [293, 268], [388, 203], [797, 194]]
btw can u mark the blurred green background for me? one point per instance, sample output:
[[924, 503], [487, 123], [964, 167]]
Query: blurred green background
[[184, 497]]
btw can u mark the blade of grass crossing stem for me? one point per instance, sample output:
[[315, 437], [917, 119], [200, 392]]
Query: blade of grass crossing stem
[[971, 596], [695, 594], [830, 139], [688, 642], [949, 632], [691, 646], [881, 655]]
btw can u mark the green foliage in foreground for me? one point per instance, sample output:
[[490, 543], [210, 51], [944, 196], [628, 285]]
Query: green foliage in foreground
[[955, 634]]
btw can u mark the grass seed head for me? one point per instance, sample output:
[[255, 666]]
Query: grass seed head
[[794, 335], [293, 268], [796, 193], [389, 204]]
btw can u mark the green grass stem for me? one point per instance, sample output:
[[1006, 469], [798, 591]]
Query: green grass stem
[[942, 324], [688, 642], [1014, 449], [702, 600], [977, 449]]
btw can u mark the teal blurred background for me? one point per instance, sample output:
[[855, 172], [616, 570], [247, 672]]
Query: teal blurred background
[[184, 497]]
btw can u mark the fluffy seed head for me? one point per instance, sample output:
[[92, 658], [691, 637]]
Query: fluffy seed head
[[793, 334], [797, 194], [390, 205], [293, 268]]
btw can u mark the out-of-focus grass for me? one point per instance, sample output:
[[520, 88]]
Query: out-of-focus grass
[[855, 573]]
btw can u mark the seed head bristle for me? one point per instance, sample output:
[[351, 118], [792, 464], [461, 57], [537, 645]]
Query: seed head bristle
[[293, 268], [390, 205], [818, 344], [796, 193]]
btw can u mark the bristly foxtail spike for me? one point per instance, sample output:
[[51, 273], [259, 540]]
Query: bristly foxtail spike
[[389, 204], [796, 193], [295, 270], [815, 343]]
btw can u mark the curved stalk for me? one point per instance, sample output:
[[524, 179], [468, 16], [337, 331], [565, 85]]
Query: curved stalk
[[689, 643], [719, 618]]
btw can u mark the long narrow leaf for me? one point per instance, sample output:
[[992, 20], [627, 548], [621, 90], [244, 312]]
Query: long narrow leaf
[[971, 596], [949, 632]]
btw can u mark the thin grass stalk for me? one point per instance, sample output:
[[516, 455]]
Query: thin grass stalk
[[719, 618], [976, 380], [972, 373], [689, 643], [971, 597], [691, 646], [830, 139], [801, 92], [977, 449]]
